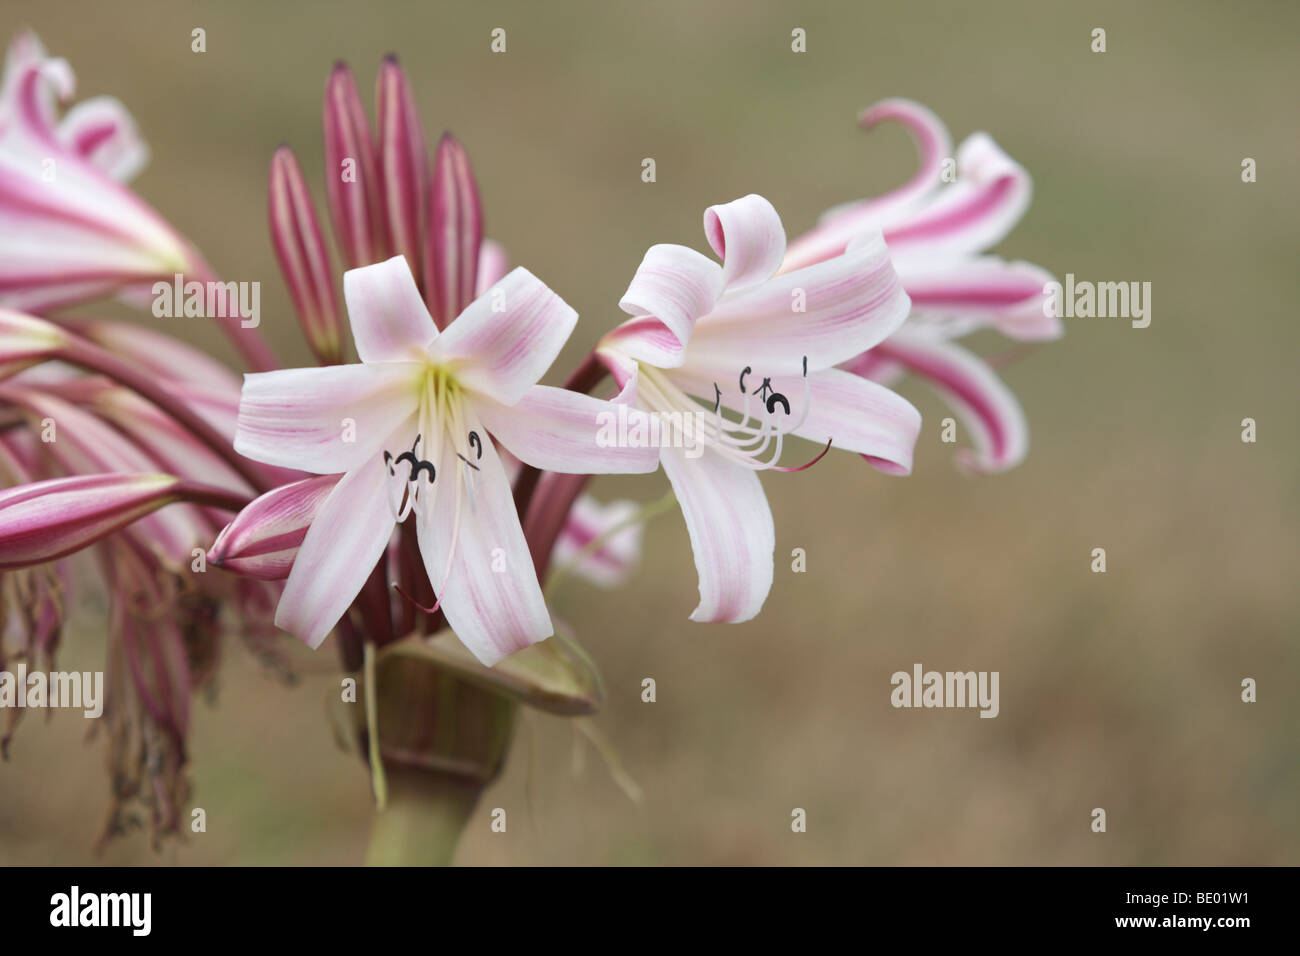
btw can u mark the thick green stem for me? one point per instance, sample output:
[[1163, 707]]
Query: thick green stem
[[442, 740], [423, 819]]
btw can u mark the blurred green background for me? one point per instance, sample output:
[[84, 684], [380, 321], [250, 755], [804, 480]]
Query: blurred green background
[[1119, 691]]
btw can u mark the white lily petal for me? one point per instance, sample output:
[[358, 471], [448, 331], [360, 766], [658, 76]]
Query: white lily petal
[[748, 237], [390, 322], [731, 531], [482, 571], [323, 420], [506, 339], [555, 429], [344, 542]]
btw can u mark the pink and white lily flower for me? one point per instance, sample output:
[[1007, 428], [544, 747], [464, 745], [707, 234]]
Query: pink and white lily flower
[[263, 540], [410, 429], [99, 129], [69, 231], [747, 357], [613, 560], [937, 228]]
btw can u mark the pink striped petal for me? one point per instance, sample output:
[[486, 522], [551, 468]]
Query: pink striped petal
[[555, 429], [987, 408], [490, 595], [102, 132], [390, 322], [645, 339], [85, 443], [337, 554], [614, 559], [623, 369], [508, 337], [975, 213], [352, 180], [25, 339], [173, 447], [162, 355], [984, 291], [67, 230], [850, 303], [403, 162], [674, 285], [49, 519], [747, 235], [838, 226], [933, 146], [451, 253], [304, 260], [263, 540], [26, 51], [731, 530], [323, 420]]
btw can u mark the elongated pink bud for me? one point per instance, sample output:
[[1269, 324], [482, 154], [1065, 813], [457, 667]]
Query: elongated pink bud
[[304, 260], [352, 180], [403, 163], [263, 540], [455, 235], [45, 520]]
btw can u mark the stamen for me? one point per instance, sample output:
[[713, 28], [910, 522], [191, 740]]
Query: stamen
[[408, 492], [809, 464], [754, 442], [400, 505], [441, 589]]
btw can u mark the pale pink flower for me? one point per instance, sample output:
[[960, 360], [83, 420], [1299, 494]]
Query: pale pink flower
[[750, 357], [937, 227], [423, 406], [69, 231], [618, 552]]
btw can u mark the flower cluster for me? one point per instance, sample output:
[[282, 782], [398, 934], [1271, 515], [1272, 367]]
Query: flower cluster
[[430, 483]]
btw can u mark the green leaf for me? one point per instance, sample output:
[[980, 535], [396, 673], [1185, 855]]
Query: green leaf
[[556, 675]]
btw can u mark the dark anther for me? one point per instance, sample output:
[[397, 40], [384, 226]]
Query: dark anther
[[805, 366], [409, 456], [467, 461], [743, 373], [777, 397], [421, 466], [476, 443], [717, 401]]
